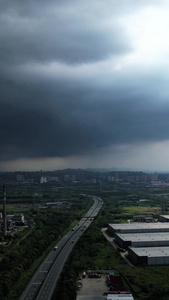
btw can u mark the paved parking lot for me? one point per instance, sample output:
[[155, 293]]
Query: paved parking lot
[[93, 286]]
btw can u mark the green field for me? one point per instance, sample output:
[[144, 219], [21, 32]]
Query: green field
[[134, 210]]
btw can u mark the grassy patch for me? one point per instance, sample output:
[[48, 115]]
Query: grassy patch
[[133, 210]]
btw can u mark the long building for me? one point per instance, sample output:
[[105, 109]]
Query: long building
[[138, 227], [142, 239], [149, 256]]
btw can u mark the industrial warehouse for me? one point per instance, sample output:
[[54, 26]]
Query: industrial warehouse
[[149, 256], [146, 243], [152, 239], [138, 227]]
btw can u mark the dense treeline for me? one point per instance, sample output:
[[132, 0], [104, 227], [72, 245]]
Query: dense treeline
[[41, 196], [16, 261]]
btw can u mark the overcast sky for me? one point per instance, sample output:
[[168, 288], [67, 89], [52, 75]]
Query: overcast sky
[[84, 84]]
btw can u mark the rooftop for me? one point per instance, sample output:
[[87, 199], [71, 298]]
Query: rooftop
[[135, 226], [135, 237], [165, 216], [151, 251]]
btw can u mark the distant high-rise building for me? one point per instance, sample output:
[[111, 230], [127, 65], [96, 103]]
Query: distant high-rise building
[[66, 177], [20, 177], [43, 179]]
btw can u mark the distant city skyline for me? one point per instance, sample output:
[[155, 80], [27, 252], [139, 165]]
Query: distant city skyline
[[91, 176], [84, 85]]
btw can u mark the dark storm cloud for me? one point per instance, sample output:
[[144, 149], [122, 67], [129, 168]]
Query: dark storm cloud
[[32, 34], [47, 112], [73, 124]]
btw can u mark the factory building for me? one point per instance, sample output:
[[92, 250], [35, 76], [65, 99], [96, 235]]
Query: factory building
[[163, 218], [19, 219], [146, 243], [138, 227], [143, 218], [149, 256], [142, 239]]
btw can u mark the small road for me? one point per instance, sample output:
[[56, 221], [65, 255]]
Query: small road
[[111, 241], [44, 281], [24, 237]]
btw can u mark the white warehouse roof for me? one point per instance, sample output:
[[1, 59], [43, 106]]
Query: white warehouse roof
[[144, 237], [151, 251], [140, 227], [149, 255]]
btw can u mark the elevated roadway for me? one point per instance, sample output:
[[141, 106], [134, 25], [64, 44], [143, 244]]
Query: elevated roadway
[[44, 281]]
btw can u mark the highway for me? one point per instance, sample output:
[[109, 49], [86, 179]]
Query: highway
[[44, 281]]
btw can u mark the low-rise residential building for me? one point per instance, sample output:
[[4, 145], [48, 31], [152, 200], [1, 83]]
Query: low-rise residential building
[[143, 218]]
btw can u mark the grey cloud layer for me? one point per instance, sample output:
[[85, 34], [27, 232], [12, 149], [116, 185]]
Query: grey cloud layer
[[72, 124], [44, 117], [69, 38]]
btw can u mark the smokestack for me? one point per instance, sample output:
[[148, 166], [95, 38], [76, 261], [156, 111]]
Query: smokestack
[[4, 212]]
